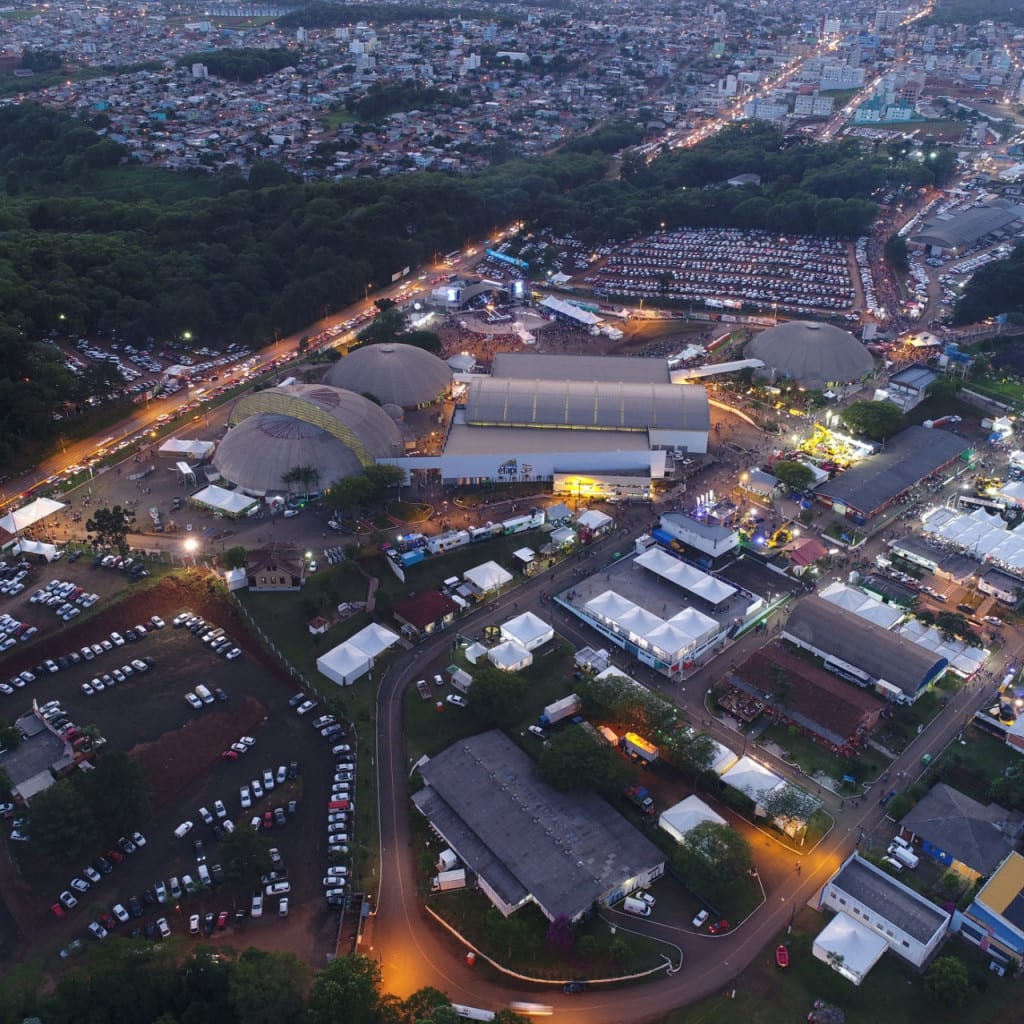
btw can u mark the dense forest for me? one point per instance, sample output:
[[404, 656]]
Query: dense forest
[[125, 982], [968, 12], [995, 288], [90, 244]]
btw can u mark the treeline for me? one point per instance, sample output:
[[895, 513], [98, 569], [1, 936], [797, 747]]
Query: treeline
[[383, 98], [994, 289], [243, 64], [90, 247], [336, 15], [967, 12], [124, 982]]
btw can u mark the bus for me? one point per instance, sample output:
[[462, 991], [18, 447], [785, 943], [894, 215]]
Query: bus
[[472, 1013]]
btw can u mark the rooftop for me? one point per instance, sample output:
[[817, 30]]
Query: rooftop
[[910, 456], [464, 439], [889, 899], [611, 369], [525, 838], [978, 835]]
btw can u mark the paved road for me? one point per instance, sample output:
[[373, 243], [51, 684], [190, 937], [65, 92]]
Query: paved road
[[409, 948]]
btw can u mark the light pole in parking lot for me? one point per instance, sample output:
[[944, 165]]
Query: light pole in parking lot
[[191, 545]]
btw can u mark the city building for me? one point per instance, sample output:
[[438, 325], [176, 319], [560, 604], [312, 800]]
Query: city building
[[815, 355], [994, 921], [401, 375], [527, 842]]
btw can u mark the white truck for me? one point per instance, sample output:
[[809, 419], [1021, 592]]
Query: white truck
[[445, 881], [564, 708], [631, 905], [904, 855]]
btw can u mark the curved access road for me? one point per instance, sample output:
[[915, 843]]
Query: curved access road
[[414, 952]]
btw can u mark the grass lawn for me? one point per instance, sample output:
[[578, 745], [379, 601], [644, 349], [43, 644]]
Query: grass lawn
[[1003, 389], [430, 573], [336, 118], [973, 763], [521, 941], [428, 731], [410, 511], [814, 758], [892, 993], [902, 727]]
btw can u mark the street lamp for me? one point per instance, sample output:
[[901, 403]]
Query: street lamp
[[191, 546]]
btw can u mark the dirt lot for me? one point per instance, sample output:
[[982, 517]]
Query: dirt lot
[[148, 716]]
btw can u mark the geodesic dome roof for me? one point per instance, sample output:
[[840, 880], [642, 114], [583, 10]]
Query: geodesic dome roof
[[394, 374], [815, 354]]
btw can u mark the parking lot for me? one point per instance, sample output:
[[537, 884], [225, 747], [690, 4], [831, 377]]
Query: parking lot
[[148, 716]]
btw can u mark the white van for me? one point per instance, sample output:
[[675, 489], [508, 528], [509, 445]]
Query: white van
[[204, 875], [204, 694], [632, 905], [904, 855], [892, 863]]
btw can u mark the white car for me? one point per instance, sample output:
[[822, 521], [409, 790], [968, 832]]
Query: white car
[[268, 779], [183, 829], [290, 512], [698, 921], [257, 789], [117, 639], [246, 797], [458, 700], [305, 707], [157, 621], [219, 809], [193, 700]]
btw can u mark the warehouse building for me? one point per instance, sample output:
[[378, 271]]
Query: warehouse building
[[861, 651], [871, 486], [951, 233], [526, 842], [605, 420]]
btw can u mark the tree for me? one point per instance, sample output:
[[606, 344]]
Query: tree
[[896, 253], [797, 476], [245, 855], [118, 793], [573, 760], [347, 989], [308, 476], [234, 557], [497, 697], [878, 420], [350, 493], [110, 527], [422, 1004], [725, 853], [787, 804], [61, 823], [383, 476], [690, 750], [1007, 789], [267, 988], [946, 981]]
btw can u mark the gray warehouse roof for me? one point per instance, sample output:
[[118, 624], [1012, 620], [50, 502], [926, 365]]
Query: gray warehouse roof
[[394, 374], [588, 405], [978, 835], [908, 457], [888, 899], [815, 354], [826, 627], [522, 836], [530, 366], [953, 231]]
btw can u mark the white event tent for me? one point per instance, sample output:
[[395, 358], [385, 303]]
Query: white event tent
[[231, 503], [510, 656], [487, 577], [690, 578], [528, 630], [348, 661], [685, 815], [30, 514], [849, 947]]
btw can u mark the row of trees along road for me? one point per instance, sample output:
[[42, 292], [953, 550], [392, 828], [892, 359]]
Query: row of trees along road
[[126, 982]]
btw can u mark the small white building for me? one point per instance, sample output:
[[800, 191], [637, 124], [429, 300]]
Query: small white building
[[911, 926], [510, 657], [487, 578], [355, 657], [686, 815]]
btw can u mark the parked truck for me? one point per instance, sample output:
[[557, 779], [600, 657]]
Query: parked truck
[[564, 708], [643, 799], [890, 692], [905, 856], [632, 743], [445, 881], [631, 905]]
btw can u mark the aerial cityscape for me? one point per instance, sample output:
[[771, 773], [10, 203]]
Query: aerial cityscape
[[511, 511]]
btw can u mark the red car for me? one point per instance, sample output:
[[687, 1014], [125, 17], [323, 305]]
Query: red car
[[222, 920], [114, 856], [58, 911], [720, 926], [230, 755], [268, 819]]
